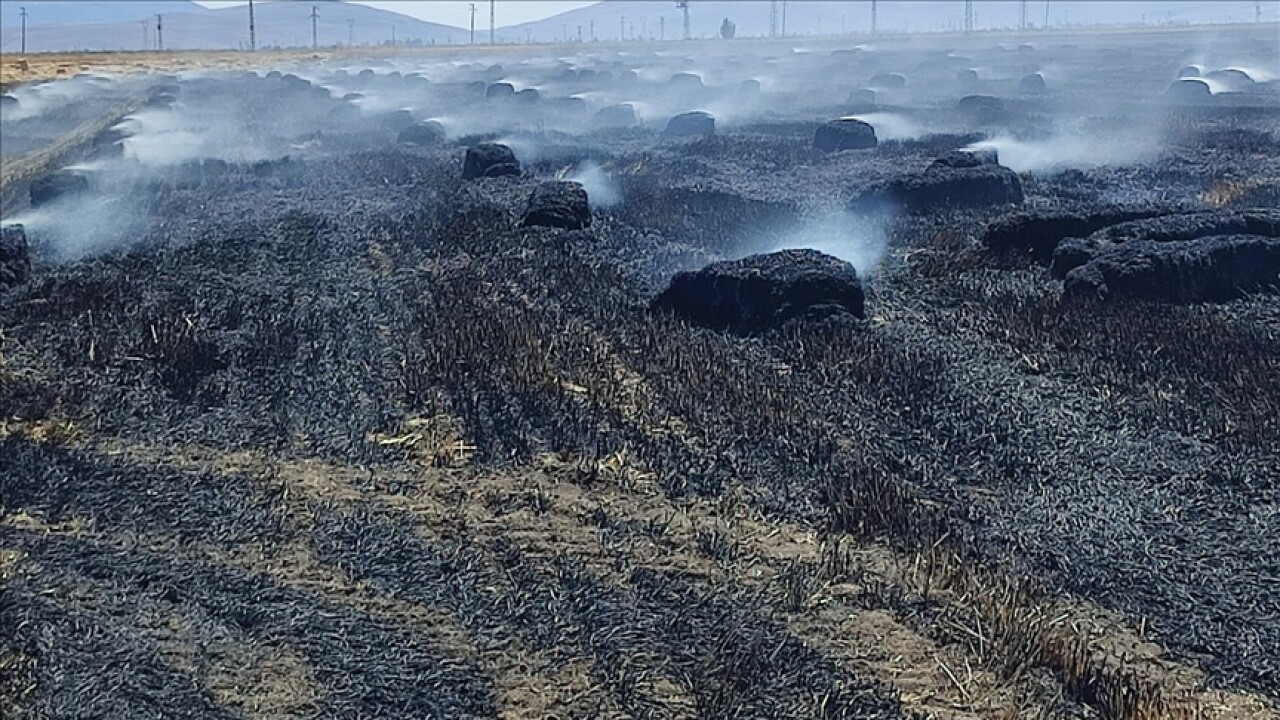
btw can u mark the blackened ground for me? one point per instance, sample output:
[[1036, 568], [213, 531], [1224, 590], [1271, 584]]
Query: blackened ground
[[337, 437]]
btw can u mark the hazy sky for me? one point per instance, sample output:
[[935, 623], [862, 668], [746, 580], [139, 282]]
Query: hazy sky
[[456, 12]]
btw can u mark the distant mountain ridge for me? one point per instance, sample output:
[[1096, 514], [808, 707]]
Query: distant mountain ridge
[[52, 12], [188, 26]]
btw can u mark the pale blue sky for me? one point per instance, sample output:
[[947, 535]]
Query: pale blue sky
[[456, 12]]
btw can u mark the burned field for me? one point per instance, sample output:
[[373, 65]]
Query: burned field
[[450, 389]]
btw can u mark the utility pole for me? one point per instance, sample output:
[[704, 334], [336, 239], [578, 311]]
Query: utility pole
[[593, 31], [684, 9], [253, 31], [351, 32], [393, 36], [22, 11], [1046, 14], [146, 35], [662, 27], [644, 28], [493, 32], [784, 18], [873, 18], [579, 34], [1257, 12], [622, 28], [315, 27], [564, 32], [773, 18], [160, 33], [1022, 16], [473, 23]]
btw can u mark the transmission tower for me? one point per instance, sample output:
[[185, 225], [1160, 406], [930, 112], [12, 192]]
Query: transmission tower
[[873, 18], [22, 12], [684, 8], [1046, 14], [253, 32], [160, 33], [351, 32], [773, 18], [1257, 12], [493, 37], [315, 27], [1022, 16], [968, 16], [146, 35], [473, 23], [784, 18]]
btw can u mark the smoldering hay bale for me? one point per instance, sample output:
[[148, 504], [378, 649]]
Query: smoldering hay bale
[[15, 257], [1211, 269], [558, 204], [616, 116], [8, 102], [966, 158], [57, 185], [1038, 232], [489, 160], [844, 134], [861, 98], [982, 108], [763, 292], [1032, 84], [939, 187], [691, 124], [1189, 90], [397, 120], [423, 134], [1073, 252], [887, 81]]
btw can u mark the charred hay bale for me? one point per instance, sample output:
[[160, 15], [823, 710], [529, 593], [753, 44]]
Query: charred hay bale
[[861, 98], [161, 101], [982, 108], [489, 160], [1189, 90], [1231, 78], [966, 158], [422, 134], [967, 77], [939, 187], [15, 257], [887, 81], [844, 134], [685, 81], [1190, 71], [568, 106], [57, 185], [8, 102], [615, 116], [528, 96], [499, 91], [397, 121], [558, 204], [628, 77], [691, 124], [762, 292], [1037, 233], [1074, 252], [1208, 269], [749, 87], [1032, 84]]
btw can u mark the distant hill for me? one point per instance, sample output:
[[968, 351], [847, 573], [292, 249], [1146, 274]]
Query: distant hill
[[646, 19], [79, 12], [279, 24]]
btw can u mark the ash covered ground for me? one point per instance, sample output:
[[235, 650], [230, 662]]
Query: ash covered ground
[[299, 422]]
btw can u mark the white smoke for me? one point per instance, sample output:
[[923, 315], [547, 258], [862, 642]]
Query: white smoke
[[1065, 151], [857, 240], [889, 126], [601, 189]]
